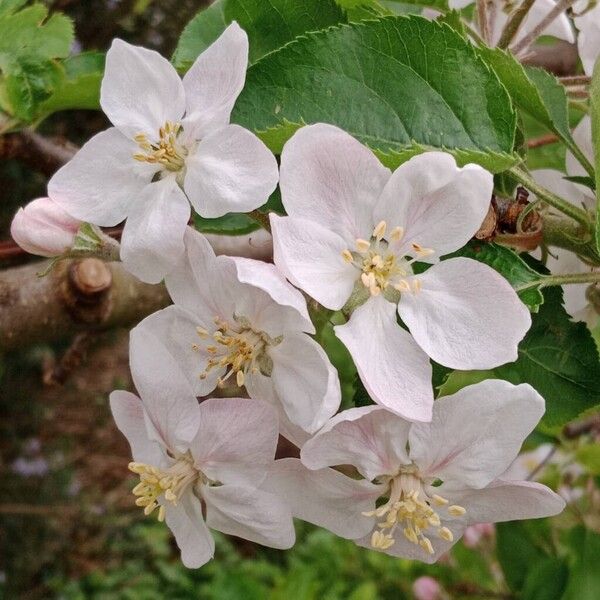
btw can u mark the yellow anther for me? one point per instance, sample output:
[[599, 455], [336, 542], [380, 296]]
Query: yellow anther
[[161, 513], [456, 511], [362, 245], [446, 534], [422, 252], [397, 234], [425, 543], [402, 286], [347, 255], [417, 286], [239, 378], [439, 500], [379, 231]]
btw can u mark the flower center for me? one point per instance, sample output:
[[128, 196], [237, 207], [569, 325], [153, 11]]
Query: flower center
[[238, 348], [380, 266], [169, 483], [167, 152], [410, 507]]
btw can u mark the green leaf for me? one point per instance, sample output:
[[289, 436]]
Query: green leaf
[[511, 266], [79, 86], [546, 580], [517, 552], [229, 224], [595, 115], [8, 7], [559, 359], [582, 180], [399, 84], [359, 10], [584, 579], [589, 456], [269, 24]]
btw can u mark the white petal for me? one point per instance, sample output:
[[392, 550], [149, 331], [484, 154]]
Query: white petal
[[588, 40], [167, 396], [128, 412], [199, 283], [191, 533], [555, 181], [326, 497], [152, 241], [310, 256], [476, 433], [370, 438], [560, 28], [236, 440], [305, 381], [582, 134], [260, 387], [250, 514], [174, 328], [231, 170], [466, 316], [509, 501], [102, 181], [141, 90], [330, 178], [439, 205], [266, 277], [393, 369], [458, 4], [214, 82]]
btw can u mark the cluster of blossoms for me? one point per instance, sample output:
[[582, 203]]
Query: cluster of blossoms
[[405, 476]]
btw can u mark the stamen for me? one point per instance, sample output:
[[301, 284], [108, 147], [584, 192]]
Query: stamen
[[457, 511], [379, 231], [396, 234], [347, 255], [166, 152], [362, 245]]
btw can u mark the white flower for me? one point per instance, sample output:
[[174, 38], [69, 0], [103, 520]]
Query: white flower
[[563, 261], [171, 145], [238, 319], [422, 483], [588, 40], [355, 230], [44, 228], [560, 28], [217, 453]]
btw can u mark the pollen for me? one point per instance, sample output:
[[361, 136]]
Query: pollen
[[167, 152], [411, 509]]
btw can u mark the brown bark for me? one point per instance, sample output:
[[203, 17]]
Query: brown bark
[[80, 295]]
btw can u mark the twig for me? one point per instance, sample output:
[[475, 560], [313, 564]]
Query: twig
[[574, 430], [483, 20], [575, 80], [544, 140], [261, 218], [514, 23], [542, 464], [560, 7]]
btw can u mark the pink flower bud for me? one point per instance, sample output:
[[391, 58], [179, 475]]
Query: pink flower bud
[[44, 228], [426, 588], [474, 534]]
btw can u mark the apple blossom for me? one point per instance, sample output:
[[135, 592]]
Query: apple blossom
[[352, 238], [426, 588], [238, 319], [473, 534], [217, 453], [171, 145], [500, 11], [422, 483], [42, 227], [587, 21]]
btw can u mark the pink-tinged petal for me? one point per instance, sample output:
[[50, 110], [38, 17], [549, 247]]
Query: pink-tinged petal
[[128, 412], [168, 398], [310, 256], [393, 369], [325, 497], [509, 501], [330, 178], [200, 283], [439, 205], [176, 330], [267, 278], [152, 241], [402, 548], [141, 90], [236, 440], [191, 533], [260, 387], [476, 433], [305, 381], [102, 181], [250, 514], [466, 315], [214, 82], [231, 170], [370, 438], [43, 228], [582, 134]]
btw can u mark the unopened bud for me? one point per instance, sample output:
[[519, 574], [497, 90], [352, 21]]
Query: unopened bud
[[44, 228], [426, 588]]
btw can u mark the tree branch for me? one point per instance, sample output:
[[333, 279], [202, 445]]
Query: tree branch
[[77, 295]]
